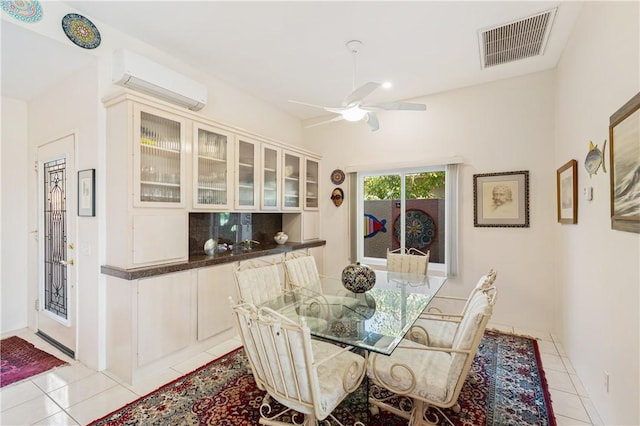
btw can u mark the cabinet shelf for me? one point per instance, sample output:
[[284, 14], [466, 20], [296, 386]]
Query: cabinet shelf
[[156, 148], [212, 159], [165, 184]]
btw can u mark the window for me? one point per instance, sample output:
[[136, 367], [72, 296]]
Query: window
[[410, 207]]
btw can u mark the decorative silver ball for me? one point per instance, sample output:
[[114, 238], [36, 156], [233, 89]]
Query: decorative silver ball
[[358, 278]]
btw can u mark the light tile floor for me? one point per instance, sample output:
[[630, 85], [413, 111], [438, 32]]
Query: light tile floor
[[76, 395]]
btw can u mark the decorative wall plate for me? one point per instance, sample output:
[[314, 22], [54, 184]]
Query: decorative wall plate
[[81, 31], [420, 229], [337, 176], [23, 10]]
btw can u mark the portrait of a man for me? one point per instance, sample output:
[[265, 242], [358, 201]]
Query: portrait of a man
[[499, 200]]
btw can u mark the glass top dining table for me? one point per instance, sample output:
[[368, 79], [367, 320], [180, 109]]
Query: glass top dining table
[[375, 320]]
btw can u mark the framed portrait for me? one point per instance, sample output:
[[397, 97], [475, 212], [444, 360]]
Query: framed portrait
[[501, 199], [86, 192], [624, 150], [567, 192]]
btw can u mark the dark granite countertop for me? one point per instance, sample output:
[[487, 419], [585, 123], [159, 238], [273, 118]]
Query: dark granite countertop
[[202, 260]]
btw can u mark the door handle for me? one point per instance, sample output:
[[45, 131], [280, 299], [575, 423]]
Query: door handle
[[67, 262]]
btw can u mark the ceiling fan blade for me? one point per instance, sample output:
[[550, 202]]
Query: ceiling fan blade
[[336, 118], [307, 104], [395, 106], [360, 93], [372, 121]]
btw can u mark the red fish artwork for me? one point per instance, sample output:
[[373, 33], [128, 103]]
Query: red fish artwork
[[372, 225]]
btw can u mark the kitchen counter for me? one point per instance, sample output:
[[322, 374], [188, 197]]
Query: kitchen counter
[[202, 260]]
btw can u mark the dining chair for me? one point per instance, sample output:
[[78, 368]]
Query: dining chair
[[417, 381], [301, 270], [308, 377], [409, 260], [257, 281], [437, 328]]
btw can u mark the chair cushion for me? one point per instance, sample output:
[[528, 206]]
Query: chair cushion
[[439, 333], [430, 368]]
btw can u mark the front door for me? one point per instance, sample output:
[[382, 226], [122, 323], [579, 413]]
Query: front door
[[56, 320]]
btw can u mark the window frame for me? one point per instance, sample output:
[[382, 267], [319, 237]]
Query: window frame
[[449, 267]]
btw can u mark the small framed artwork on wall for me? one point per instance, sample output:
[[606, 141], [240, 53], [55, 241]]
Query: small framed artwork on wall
[[86, 192], [501, 199], [567, 192]]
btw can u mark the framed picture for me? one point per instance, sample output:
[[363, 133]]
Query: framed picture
[[501, 199], [567, 192], [86, 192], [624, 149]]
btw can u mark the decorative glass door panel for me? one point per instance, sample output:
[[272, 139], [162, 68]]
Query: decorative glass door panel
[[55, 239], [291, 191], [270, 178], [160, 161], [212, 172], [311, 185], [246, 174]]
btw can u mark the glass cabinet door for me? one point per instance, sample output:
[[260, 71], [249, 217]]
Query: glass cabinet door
[[246, 172], [158, 159], [271, 176], [291, 189], [212, 168], [311, 185]]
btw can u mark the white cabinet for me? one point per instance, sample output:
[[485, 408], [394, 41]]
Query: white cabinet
[[215, 286], [246, 174], [164, 316], [146, 190], [311, 187], [212, 168], [271, 177], [292, 187], [158, 158]]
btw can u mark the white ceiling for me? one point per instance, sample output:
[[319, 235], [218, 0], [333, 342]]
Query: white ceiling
[[278, 51]]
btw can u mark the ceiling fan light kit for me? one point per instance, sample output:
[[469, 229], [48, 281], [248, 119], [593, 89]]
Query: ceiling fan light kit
[[353, 107]]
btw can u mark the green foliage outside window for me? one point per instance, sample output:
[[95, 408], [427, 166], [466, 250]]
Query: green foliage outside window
[[417, 186]]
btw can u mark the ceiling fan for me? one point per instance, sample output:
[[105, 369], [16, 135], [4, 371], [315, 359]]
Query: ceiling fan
[[354, 108]]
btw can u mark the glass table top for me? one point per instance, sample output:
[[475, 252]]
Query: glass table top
[[376, 320]]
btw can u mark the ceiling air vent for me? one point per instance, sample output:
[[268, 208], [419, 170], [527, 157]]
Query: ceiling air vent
[[517, 40]]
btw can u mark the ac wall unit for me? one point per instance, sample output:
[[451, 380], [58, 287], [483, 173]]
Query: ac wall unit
[[139, 73]]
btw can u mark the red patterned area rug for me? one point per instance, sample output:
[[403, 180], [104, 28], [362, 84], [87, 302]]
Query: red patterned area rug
[[20, 360], [509, 388]]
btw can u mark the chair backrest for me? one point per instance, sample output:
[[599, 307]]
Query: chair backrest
[[280, 355], [468, 336], [485, 283], [257, 282], [411, 261], [302, 271]]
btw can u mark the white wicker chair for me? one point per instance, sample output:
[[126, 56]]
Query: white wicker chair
[[307, 376], [257, 282], [301, 271], [410, 260], [437, 328], [417, 381]]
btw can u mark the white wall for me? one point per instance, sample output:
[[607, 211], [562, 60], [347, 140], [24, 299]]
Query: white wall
[[13, 226], [497, 127], [598, 268]]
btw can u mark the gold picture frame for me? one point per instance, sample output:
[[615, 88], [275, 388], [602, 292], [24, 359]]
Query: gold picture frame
[[624, 157], [567, 192], [501, 199]]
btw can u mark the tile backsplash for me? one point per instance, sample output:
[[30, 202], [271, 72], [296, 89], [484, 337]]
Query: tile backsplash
[[231, 228]]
